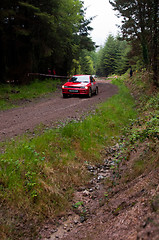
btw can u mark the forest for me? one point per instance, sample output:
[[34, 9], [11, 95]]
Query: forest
[[37, 35], [137, 45]]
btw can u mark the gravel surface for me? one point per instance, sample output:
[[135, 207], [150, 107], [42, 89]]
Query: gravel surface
[[47, 111]]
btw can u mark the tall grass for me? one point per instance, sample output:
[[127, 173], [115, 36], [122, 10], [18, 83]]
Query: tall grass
[[40, 174]]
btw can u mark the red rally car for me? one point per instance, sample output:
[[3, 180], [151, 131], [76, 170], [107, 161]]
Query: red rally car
[[81, 85]]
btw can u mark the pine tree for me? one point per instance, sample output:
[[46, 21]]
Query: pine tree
[[140, 25], [37, 34]]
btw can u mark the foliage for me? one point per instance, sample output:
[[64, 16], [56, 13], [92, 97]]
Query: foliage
[[35, 35], [150, 130], [138, 148], [147, 127], [78, 204], [86, 63], [140, 26], [112, 58], [142, 136]]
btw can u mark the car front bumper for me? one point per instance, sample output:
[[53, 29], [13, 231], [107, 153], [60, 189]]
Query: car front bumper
[[75, 91]]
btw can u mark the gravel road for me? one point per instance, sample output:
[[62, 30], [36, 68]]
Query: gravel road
[[47, 111]]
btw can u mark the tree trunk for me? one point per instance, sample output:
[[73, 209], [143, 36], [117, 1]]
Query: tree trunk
[[2, 61], [155, 44]]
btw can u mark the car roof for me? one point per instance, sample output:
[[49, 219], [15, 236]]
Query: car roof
[[82, 75]]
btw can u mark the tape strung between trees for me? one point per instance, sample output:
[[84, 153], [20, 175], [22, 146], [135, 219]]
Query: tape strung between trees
[[47, 75]]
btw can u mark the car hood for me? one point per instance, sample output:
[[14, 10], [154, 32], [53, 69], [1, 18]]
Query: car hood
[[69, 84]]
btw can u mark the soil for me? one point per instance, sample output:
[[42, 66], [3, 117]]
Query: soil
[[127, 210], [49, 111]]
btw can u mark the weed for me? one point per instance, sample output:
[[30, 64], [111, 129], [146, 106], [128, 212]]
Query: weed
[[77, 204], [106, 195]]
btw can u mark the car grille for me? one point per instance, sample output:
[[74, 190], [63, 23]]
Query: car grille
[[74, 87]]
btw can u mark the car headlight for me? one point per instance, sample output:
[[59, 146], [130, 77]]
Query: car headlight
[[86, 87], [64, 86]]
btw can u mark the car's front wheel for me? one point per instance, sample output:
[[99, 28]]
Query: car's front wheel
[[65, 95], [90, 93], [96, 91]]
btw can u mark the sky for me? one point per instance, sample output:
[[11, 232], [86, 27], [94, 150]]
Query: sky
[[105, 21]]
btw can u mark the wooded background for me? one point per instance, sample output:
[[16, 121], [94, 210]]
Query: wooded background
[[39, 34]]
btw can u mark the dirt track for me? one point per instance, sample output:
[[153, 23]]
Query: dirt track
[[48, 111]]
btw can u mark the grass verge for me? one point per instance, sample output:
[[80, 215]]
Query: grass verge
[[139, 146], [39, 175], [11, 95]]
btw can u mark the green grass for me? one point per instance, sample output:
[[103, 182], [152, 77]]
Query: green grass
[[38, 175], [11, 95], [24, 160]]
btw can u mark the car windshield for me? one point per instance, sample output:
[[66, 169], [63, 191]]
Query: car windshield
[[82, 79]]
